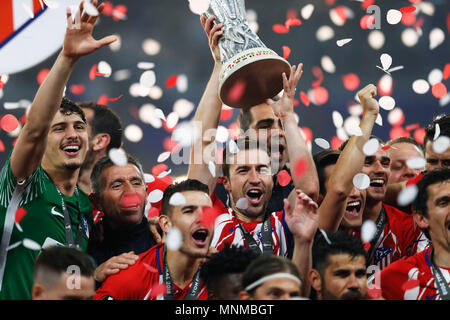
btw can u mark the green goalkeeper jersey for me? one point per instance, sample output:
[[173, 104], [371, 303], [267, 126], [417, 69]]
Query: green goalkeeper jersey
[[38, 223]]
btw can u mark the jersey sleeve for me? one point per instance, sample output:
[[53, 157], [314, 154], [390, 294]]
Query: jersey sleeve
[[117, 287], [393, 278]]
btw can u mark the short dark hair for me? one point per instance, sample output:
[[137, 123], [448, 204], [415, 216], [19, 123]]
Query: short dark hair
[[443, 121], [244, 119], [340, 243], [104, 163], [266, 265], [405, 140], [432, 177], [185, 185], [104, 121], [227, 261], [243, 143], [342, 146], [322, 159], [69, 107], [55, 260]]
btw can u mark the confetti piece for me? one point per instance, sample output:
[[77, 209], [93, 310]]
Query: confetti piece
[[441, 144], [307, 11], [92, 72], [367, 21], [412, 127], [177, 199], [242, 204], [159, 168], [279, 28], [366, 246], [336, 143], [322, 143], [151, 47], [419, 135], [90, 9], [408, 18], [292, 22], [226, 114], [147, 79], [212, 168], [371, 147], [420, 86], [437, 131], [174, 239], [439, 90], [185, 107], [436, 38], [342, 42], [304, 98], [327, 64], [361, 181], [376, 39], [77, 89], [338, 120], [198, 6], [407, 195], [145, 65], [435, 76], [446, 72], [232, 147], [416, 163], [284, 178], [20, 213], [171, 81], [237, 90], [300, 167], [42, 75], [118, 156], [104, 69], [324, 33], [119, 12], [182, 83], [368, 230], [133, 133], [379, 120], [164, 174], [2, 146], [387, 102], [319, 95], [208, 217], [393, 16], [155, 196], [386, 61], [148, 178], [351, 81], [286, 52], [30, 244], [373, 292], [9, 123], [407, 9], [163, 156]]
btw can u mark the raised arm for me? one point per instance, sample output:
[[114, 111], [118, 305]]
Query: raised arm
[[78, 41], [350, 162], [207, 115], [296, 145]]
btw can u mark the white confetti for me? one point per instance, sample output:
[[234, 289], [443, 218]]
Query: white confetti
[[155, 196], [164, 173], [158, 113], [172, 120], [368, 230], [342, 42], [182, 83], [148, 178], [147, 79], [30, 244], [416, 163], [185, 134], [420, 86], [174, 239], [307, 11], [212, 168], [407, 195], [324, 144], [395, 69], [409, 37], [242, 204], [177, 199], [232, 147], [118, 156], [436, 37], [338, 120], [437, 131], [441, 144], [386, 61], [145, 65], [393, 16], [183, 108], [371, 147], [104, 68], [387, 102], [376, 39], [361, 181], [163, 156], [324, 33], [151, 47], [133, 133], [198, 6], [435, 76], [90, 9], [328, 64], [121, 75]]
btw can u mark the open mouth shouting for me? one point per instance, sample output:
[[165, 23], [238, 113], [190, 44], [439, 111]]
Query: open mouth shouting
[[378, 183], [200, 237], [352, 210], [254, 196], [72, 149]]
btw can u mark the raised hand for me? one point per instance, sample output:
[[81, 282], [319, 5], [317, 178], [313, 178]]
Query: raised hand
[[302, 220], [367, 98], [213, 31], [284, 107], [78, 40]]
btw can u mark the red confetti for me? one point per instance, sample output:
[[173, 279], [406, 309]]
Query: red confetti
[[20, 213], [158, 290], [415, 1], [293, 22], [410, 284], [407, 9], [351, 81], [237, 90], [108, 8], [397, 132], [412, 127], [291, 14], [419, 135], [304, 98], [286, 52], [2, 146], [171, 81], [99, 74], [226, 114], [341, 12], [2, 84], [208, 217], [330, 2], [279, 28], [156, 170], [320, 95], [367, 3], [335, 143], [446, 72], [317, 72], [103, 100], [307, 133], [301, 166], [169, 130], [296, 102], [366, 246], [408, 18], [419, 23], [115, 99], [9, 123], [366, 21], [77, 88], [234, 131], [93, 72], [150, 268], [42, 75], [284, 178], [119, 12], [385, 148], [153, 212], [170, 145], [439, 90]]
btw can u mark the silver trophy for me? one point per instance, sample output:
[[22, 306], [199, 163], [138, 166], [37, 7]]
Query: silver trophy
[[245, 58]]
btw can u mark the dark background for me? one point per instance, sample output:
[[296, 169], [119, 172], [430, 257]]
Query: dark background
[[185, 51]]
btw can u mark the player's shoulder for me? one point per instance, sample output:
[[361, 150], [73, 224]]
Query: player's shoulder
[[394, 213], [405, 264]]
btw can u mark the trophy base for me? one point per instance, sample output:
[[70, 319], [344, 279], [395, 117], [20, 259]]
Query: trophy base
[[257, 72]]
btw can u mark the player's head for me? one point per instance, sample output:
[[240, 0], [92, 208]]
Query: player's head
[[247, 175], [223, 271], [435, 157], [432, 207], [400, 151], [67, 139], [62, 273], [270, 277], [325, 162], [260, 122], [104, 129], [185, 207], [339, 267], [119, 191]]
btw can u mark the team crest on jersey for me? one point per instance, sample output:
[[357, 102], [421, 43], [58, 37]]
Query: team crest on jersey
[[380, 253]]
